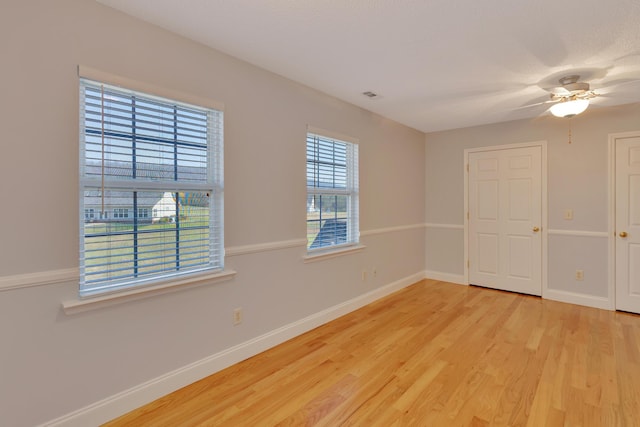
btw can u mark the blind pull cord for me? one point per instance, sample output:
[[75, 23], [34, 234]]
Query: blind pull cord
[[102, 212]]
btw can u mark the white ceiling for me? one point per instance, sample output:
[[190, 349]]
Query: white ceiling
[[436, 64]]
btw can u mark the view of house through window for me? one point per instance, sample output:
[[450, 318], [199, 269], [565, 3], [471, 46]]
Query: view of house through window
[[332, 192], [150, 179]]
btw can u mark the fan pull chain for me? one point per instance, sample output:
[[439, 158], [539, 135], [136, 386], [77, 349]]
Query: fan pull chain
[[569, 131]]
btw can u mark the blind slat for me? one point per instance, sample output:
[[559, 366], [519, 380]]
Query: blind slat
[[332, 192], [155, 226]]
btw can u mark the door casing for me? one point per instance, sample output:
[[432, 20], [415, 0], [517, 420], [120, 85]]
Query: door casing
[[543, 183], [612, 213]]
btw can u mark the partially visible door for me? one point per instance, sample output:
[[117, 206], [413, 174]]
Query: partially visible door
[[505, 212], [627, 194]]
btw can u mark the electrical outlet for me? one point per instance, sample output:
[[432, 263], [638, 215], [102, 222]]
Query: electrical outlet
[[579, 275], [364, 275], [237, 316]]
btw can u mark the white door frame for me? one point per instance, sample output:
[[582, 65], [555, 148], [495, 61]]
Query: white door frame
[[543, 147], [612, 213]]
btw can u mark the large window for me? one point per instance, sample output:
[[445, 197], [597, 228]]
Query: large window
[[332, 192], [142, 154]]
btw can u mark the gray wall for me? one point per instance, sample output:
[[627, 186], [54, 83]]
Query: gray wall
[[52, 363], [577, 179]]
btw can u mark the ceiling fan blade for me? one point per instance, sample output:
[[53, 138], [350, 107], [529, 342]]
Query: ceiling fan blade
[[616, 96], [613, 86], [533, 105], [607, 100]]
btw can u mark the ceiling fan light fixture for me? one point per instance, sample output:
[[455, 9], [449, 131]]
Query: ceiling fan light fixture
[[569, 108]]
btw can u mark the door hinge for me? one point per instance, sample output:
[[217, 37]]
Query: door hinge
[[467, 167], [468, 215], [468, 264]]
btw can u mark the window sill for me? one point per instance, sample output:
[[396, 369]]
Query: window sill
[[80, 305], [332, 253]]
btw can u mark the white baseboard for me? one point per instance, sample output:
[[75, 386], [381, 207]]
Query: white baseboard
[[580, 299], [121, 403], [445, 277]]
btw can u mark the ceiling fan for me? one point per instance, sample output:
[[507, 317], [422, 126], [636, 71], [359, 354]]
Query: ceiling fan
[[571, 97]]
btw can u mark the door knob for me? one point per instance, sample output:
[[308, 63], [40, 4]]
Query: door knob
[[536, 229], [623, 234]]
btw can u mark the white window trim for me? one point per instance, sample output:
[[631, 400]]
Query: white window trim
[[355, 245], [79, 305], [332, 252], [181, 97], [148, 88], [332, 135]]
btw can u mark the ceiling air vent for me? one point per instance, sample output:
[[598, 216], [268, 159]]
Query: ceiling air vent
[[370, 94]]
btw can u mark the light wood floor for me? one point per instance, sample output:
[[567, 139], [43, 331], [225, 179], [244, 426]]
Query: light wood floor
[[433, 354]]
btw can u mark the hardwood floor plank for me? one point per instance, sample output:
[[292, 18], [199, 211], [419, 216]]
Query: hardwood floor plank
[[432, 354]]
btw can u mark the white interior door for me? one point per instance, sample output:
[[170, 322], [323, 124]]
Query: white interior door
[[505, 212], [627, 194]]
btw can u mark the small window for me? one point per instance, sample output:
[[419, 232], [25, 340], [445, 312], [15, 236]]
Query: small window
[[142, 154], [332, 193], [121, 213]]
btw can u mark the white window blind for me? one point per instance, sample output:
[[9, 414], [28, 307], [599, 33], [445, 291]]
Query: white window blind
[[143, 155], [332, 192]]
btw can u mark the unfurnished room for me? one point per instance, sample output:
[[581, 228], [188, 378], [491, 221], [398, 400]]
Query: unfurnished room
[[320, 213]]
